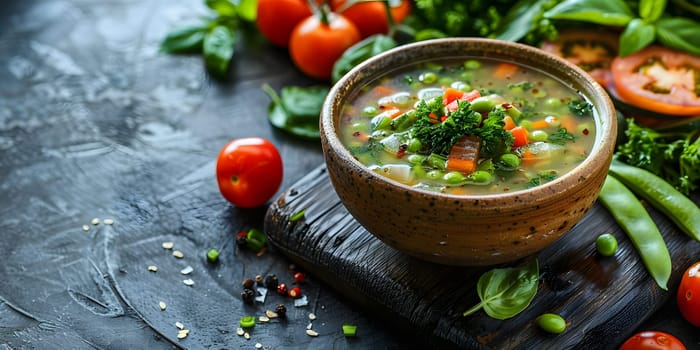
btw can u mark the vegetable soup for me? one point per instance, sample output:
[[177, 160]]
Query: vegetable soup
[[478, 126]]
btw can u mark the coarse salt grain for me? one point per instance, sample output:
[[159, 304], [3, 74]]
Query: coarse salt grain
[[86, 228], [168, 245], [264, 319], [153, 268], [258, 346], [108, 221], [187, 270], [183, 333], [188, 282], [246, 335], [179, 325], [312, 333], [271, 314], [312, 316], [162, 305], [240, 331], [178, 254], [95, 221]]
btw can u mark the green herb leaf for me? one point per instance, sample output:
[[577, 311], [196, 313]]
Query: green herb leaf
[[506, 292], [561, 137], [679, 33], [580, 107], [520, 19], [297, 216], [651, 10], [223, 7], [606, 12], [184, 40], [297, 109], [637, 35], [359, 52], [248, 9], [218, 50]]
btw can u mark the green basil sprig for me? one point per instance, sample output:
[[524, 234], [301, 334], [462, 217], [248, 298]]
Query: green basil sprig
[[650, 25], [506, 292], [359, 52], [296, 109], [214, 37]]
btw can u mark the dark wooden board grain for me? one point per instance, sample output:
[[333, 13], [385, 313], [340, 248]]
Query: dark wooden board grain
[[603, 299]]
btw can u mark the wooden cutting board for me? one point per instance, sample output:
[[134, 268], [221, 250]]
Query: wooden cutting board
[[603, 299]]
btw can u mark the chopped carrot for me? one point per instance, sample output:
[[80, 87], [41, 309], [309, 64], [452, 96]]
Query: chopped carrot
[[528, 157], [509, 123], [471, 96], [450, 95], [519, 136], [505, 70], [540, 124], [464, 155]]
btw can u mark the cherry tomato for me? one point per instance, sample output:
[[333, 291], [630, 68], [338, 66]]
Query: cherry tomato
[[659, 79], [277, 18], [652, 340], [249, 171], [370, 17], [590, 50], [315, 45], [689, 294]]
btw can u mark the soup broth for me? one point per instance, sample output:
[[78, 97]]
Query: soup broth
[[469, 127]]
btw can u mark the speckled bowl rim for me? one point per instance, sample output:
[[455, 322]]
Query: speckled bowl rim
[[405, 55]]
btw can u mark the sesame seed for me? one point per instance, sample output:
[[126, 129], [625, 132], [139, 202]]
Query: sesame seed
[[179, 325], [162, 305], [153, 268], [95, 221], [187, 270], [312, 333], [86, 228], [168, 245], [108, 221], [178, 254], [188, 282]]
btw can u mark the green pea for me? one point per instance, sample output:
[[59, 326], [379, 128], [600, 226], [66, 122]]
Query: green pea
[[472, 64], [461, 86], [467, 75], [454, 178], [481, 176], [428, 77], [370, 111], [482, 105], [414, 159], [434, 174], [414, 145], [551, 323], [509, 161], [444, 81], [606, 244], [538, 135], [552, 102], [527, 124]]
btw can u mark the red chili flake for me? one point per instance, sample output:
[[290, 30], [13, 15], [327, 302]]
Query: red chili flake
[[402, 151], [443, 118], [299, 277], [432, 115], [282, 289], [295, 292], [585, 131]]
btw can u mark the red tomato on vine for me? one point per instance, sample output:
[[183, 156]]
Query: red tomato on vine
[[371, 17], [652, 340], [276, 19], [688, 297], [319, 40]]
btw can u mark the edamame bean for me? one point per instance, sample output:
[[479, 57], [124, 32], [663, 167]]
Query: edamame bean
[[415, 159], [509, 161], [434, 174], [662, 196], [551, 323], [482, 105], [630, 214], [481, 176], [414, 145], [454, 178], [606, 244], [472, 64]]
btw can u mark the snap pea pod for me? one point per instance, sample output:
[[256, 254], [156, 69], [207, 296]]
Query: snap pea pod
[[640, 228], [661, 195]]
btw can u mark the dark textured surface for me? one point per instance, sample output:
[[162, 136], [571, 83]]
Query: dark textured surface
[[96, 123]]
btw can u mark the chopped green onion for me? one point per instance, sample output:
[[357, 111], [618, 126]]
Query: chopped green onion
[[255, 240], [297, 216], [212, 255], [247, 321], [349, 330]]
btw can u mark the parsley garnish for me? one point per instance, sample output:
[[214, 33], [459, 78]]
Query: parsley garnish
[[580, 107], [560, 137]]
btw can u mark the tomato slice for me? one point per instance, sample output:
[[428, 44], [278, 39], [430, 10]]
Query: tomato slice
[[591, 50], [659, 79]]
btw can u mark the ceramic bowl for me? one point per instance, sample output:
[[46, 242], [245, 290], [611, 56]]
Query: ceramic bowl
[[467, 230]]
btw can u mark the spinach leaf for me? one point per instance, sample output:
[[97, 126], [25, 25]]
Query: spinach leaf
[[606, 12], [296, 109], [520, 20], [637, 35], [222, 7], [506, 292], [359, 52], [218, 50], [651, 10], [184, 40], [679, 33]]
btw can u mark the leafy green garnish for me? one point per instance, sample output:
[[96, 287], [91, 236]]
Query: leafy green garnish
[[542, 177], [580, 107], [296, 109], [673, 155], [506, 292], [561, 137]]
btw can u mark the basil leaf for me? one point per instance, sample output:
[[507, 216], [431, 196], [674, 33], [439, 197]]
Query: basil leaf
[[297, 109], [606, 12], [359, 52], [637, 35], [651, 10], [184, 40], [218, 50], [426, 34], [679, 33], [506, 292], [223, 7], [520, 19], [248, 9]]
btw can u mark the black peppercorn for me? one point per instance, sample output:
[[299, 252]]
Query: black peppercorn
[[271, 281], [259, 279], [281, 310], [248, 283], [248, 295]]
